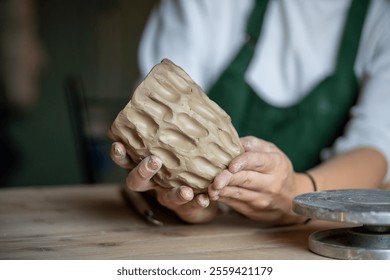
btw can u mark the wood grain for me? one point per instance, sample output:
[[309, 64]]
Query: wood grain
[[95, 222]]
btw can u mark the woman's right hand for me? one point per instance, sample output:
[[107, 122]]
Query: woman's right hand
[[189, 207]]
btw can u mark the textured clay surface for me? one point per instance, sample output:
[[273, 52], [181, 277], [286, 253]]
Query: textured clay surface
[[169, 116]]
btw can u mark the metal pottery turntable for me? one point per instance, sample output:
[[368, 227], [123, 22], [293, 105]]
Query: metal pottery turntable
[[370, 209]]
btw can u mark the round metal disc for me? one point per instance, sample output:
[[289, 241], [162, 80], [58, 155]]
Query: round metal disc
[[347, 244], [367, 207]]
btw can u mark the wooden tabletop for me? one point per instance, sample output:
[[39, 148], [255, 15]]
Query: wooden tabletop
[[95, 222]]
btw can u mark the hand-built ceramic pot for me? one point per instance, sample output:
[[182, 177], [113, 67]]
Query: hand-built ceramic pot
[[171, 117]]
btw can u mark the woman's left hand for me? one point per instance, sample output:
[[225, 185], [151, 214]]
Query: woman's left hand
[[260, 184]]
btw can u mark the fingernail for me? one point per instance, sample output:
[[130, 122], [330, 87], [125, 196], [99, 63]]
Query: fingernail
[[202, 201], [153, 164], [118, 152], [186, 193], [223, 180], [213, 195]]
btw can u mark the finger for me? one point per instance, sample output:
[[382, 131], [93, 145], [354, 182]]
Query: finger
[[190, 208], [175, 196], [120, 157], [246, 180], [220, 181], [198, 210], [180, 196], [249, 197], [254, 144], [139, 179], [256, 161], [111, 135], [203, 200]]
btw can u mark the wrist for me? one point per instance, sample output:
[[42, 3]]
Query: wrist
[[304, 183], [312, 180]]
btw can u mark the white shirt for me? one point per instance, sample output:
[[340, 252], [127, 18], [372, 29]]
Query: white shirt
[[297, 49]]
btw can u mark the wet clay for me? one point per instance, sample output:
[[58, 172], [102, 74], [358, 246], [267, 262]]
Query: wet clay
[[171, 117]]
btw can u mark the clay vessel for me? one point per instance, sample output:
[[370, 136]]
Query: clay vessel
[[171, 117]]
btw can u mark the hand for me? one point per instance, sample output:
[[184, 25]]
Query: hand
[[189, 207], [260, 184]]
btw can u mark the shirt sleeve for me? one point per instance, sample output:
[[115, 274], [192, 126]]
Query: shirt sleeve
[[370, 118]]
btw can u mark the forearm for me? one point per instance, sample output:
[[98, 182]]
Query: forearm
[[363, 168]]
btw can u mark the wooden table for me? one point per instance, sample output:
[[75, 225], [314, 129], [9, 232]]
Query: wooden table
[[95, 222]]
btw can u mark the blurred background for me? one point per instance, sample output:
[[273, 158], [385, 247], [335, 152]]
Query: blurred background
[[67, 67]]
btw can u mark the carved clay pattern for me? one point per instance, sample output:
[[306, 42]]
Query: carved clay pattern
[[171, 117]]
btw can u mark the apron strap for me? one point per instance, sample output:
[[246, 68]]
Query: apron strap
[[221, 92], [351, 36], [303, 130], [255, 21]]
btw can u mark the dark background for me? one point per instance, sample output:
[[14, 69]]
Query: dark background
[[90, 51]]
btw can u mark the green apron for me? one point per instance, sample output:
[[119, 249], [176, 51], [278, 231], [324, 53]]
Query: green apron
[[303, 130]]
